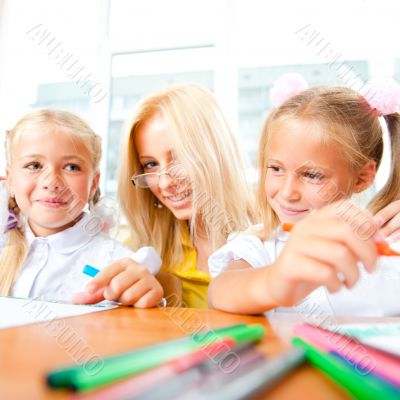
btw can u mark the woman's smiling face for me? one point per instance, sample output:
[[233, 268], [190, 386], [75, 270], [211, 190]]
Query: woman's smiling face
[[155, 154]]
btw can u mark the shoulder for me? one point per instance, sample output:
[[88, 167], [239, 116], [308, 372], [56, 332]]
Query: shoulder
[[245, 246]]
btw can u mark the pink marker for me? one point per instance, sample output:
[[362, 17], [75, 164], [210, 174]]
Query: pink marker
[[384, 365]]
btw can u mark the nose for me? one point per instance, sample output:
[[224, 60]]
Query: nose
[[164, 181], [290, 190], [51, 180]]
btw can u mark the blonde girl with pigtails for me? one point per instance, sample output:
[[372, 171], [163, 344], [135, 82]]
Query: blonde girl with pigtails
[[318, 147], [47, 236]]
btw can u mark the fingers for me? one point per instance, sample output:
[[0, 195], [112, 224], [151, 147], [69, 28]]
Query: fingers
[[318, 274], [105, 276], [88, 298], [340, 260], [347, 224], [394, 236], [345, 245], [387, 213], [145, 293], [124, 281], [360, 221], [151, 298], [391, 230], [290, 285], [325, 249]]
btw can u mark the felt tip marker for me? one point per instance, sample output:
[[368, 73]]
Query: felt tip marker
[[89, 270]]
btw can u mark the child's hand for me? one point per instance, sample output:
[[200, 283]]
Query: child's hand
[[323, 249], [124, 281], [388, 219]]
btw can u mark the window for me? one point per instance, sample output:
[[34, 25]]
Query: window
[[235, 48]]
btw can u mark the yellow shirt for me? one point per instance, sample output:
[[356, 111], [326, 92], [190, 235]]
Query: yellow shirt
[[194, 282]]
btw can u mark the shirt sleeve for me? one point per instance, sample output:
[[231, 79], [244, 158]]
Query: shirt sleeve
[[146, 256], [239, 247]]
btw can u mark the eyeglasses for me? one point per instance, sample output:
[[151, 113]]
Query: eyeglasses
[[144, 181]]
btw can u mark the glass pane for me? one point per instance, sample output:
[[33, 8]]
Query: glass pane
[[64, 95]]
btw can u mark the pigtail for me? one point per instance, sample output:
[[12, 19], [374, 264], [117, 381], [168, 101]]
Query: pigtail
[[95, 198], [391, 190], [14, 253]]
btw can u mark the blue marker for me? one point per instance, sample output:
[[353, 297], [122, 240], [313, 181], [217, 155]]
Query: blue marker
[[89, 270]]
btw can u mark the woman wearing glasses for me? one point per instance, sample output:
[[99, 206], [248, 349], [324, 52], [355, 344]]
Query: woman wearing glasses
[[189, 191]]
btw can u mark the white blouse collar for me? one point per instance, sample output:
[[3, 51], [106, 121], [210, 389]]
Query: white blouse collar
[[70, 239]]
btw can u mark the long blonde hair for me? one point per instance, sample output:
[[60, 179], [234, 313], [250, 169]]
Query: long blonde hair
[[14, 253], [346, 120], [206, 147]]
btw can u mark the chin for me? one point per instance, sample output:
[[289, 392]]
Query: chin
[[182, 215], [292, 219]]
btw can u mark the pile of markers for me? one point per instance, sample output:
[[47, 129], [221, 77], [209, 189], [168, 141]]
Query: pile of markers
[[226, 364], [217, 364]]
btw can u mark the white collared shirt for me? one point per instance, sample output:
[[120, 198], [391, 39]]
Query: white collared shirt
[[54, 264]]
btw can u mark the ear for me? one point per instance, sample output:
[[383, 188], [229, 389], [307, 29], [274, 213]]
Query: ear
[[95, 184], [365, 177]]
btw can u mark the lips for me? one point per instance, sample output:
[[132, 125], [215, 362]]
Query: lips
[[179, 200], [292, 212], [52, 202]]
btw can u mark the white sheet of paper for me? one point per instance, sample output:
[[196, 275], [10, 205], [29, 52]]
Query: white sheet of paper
[[383, 336], [16, 311]]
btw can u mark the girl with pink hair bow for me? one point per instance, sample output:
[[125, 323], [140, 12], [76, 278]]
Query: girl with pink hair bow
[[318, 148]]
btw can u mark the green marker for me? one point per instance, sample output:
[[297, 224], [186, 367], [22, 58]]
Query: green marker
[[90, 376], [360, 386], [61, 377]]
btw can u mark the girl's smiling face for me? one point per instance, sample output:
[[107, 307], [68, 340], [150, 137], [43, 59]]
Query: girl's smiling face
[[51, 177], [304, 171], [155, 154]]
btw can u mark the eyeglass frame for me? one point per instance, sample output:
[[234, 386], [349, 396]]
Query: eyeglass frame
[[164, 171]]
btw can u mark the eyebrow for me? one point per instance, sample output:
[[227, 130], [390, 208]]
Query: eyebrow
[[145, 157], [67, 157], [314, 167], [305, 166]]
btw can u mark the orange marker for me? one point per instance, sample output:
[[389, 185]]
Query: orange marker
[[382, 248]]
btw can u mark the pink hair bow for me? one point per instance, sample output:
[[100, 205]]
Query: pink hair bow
[[289, 85], [382, 95]]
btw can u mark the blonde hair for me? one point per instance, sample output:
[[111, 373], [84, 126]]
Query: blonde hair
[[206, 147], [346, 120], [14, 253]]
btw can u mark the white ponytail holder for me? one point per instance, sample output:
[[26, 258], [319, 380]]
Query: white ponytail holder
[[107, 211], [384, 170]]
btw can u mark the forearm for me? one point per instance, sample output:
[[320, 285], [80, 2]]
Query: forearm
[[242, 291]]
